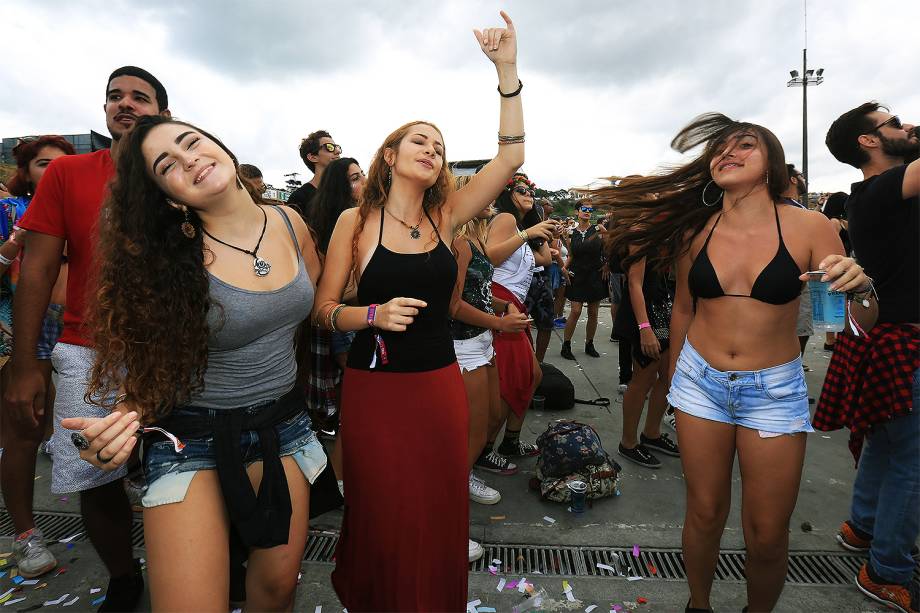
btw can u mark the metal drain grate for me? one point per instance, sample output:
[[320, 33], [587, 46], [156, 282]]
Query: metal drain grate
[[805, 568]]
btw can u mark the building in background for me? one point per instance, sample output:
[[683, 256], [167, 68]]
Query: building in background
[[83, 143], [466, 167]]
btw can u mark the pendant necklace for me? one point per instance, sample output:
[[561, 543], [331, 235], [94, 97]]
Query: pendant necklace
[[413, 230], [259, 266]]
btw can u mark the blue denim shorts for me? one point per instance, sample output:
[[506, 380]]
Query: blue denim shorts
[[772, 401], [169, 473]]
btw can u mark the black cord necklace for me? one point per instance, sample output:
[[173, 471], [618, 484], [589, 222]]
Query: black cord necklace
[[259, 266]]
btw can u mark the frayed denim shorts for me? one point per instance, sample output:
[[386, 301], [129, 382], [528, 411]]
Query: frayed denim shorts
[[169, 473], [773, 400]]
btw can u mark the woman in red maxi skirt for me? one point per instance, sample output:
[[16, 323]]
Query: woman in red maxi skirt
[[405, 418]]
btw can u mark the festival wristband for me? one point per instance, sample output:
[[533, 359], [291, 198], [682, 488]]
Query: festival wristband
[[5, 260], [644, 325], [371, 315]]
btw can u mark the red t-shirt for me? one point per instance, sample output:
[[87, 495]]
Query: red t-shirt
[[67, 205]]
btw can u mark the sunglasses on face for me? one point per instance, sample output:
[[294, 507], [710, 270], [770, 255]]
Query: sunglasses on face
[[331, 147], [895, 122], [524, 191], [586, 209]]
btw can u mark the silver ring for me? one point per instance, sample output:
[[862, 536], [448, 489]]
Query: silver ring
[[79, 441]]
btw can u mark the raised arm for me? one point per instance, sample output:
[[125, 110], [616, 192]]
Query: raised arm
[[500, 46]]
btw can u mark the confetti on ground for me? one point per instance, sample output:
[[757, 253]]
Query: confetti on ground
[[591, 608], [28, 581], [71, 537], [17, 580], [606, 567], [634, 578], [37, 587], [824, 436], [635, 551], [616, 607], [642, 600], [5, 598], [651, 568], [7, 593], [501, 585], [4, 562], [318, 609], [485, 610], [522, 584], [471, 606], [57, 601], [493, 570], [549, 519], [60, 571], [98, 601], [95, 590], [70, 602], [14, 601], [511, 585], [497, 517], [496, 561]]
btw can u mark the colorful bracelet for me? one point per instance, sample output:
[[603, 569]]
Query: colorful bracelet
[[644, 325], [371, 315]]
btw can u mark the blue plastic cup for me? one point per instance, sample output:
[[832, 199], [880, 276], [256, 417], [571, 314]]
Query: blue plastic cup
[[828, 308]]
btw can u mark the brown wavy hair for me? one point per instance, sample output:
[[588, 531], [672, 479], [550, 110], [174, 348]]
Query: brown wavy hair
[[148, 314], [656, 214], [377, 188], [27, 150]]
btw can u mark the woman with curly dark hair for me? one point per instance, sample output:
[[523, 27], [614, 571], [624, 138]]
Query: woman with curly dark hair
[[199, 293], [737, 384], [405, 419]]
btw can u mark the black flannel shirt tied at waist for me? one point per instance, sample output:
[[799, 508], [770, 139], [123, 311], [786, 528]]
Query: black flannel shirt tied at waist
[[261, 520]]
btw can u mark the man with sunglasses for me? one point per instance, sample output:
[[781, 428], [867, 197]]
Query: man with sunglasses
[[317, 151], [873, 381]]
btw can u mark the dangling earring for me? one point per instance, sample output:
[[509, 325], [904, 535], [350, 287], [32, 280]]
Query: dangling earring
[[389, 177], [187, 228], [703, 195], [766, 178]]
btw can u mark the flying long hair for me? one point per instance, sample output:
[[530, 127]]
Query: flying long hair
[[659, 214], [332, 197], [377, 188], [148, 312]]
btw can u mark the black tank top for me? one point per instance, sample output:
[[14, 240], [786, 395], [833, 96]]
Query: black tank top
[[426, 344], [778, 282]]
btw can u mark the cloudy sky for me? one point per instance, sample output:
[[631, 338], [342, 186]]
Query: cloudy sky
[[608, 82]]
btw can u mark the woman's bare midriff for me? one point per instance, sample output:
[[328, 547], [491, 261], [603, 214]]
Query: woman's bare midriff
[[734, 334]]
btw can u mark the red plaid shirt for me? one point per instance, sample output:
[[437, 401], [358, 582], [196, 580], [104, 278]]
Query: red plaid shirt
[[869, 380]]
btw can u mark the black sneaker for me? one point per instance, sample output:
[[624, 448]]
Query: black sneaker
[[518, 450], [125, 592], [567, 351], [639, 455], [662, 444], [493, 462], [590, 350]]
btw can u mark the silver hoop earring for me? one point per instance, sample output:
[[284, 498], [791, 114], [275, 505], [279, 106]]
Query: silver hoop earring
[[703, 195]]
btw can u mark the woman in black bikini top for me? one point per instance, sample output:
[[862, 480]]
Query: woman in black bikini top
[[736, 376]]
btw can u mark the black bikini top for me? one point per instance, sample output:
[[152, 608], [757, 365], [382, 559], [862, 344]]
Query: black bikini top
[[777, 283]]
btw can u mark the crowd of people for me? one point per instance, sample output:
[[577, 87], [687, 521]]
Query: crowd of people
[[223, 346]]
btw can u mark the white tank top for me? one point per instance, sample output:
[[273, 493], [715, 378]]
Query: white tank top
[[515, 273]]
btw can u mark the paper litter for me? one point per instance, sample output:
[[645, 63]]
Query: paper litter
[[70, 602], [549, 519], [14, 601], [56, 601], [501, 585]]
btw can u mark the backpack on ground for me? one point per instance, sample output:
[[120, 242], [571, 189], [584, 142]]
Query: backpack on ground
[[570, 451], [556, 388]]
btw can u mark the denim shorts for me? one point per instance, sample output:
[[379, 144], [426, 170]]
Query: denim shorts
[[773, 400], [52, 326], [474, 352], [169, 473], [341, 342]]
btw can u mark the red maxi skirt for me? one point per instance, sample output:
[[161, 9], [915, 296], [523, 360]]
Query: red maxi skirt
[[404, 438]]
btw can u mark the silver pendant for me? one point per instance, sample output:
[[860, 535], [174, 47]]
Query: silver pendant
[[261, 267], [414, 233]]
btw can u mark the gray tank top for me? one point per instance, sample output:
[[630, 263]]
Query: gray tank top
[[251, 346]]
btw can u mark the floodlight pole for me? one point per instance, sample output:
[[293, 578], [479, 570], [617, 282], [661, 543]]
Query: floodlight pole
[[804, 81]]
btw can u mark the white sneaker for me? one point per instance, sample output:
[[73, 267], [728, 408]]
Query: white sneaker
[[670, 419], [475, 551], [482, 493], [621, 388]]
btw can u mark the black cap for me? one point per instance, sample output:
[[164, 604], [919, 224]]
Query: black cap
[[140, 73]]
